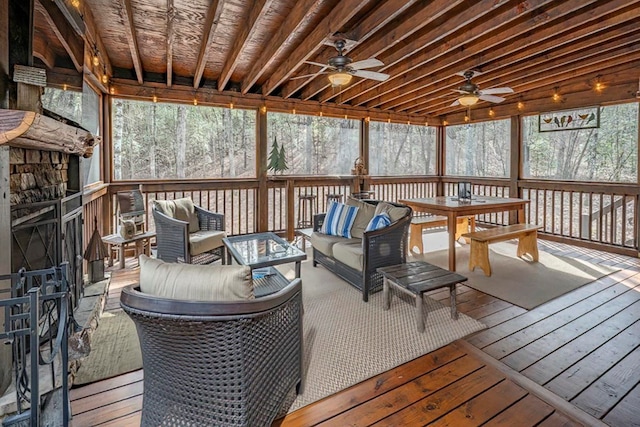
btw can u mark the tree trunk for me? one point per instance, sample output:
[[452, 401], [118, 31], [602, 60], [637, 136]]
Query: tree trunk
[[181, 141], [152, 145], [118, 124]]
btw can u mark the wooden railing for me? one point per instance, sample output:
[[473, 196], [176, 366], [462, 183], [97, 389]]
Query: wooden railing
[[602, 216]]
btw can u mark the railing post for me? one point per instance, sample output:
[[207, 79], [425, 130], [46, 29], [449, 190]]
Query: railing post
[[5, 257], [291, 200], [262, 213], [34, 342], [516, 164]]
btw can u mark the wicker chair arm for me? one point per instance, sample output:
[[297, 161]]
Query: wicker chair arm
[[386, 246], [210, 220], [318, 219], [172, 237]]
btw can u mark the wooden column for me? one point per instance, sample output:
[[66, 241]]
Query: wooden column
[[637, 219], [516, 163], [107, 165], [4, 53], [261, 170], [441, 135], [363, 182], [5, 257], [20, 52]]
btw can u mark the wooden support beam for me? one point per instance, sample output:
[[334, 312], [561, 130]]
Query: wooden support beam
[[5, 254], [299, 16], [171, 16], [62, 77], [4, 55], [385, 12], [262, 150], [333, 22], [42, 51], [93, 39], [258, 10], [210, 24], [496, 55], [72, 43], [126, 12]]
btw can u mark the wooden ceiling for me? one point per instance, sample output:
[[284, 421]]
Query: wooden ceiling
[[255, 49]]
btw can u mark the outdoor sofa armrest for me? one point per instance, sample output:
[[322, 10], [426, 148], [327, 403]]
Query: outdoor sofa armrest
[[318, 219], [386, 246], [210, 221], [172, 237]]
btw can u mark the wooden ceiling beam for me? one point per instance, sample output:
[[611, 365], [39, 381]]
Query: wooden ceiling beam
[[563, 39], [505, 49], [43, 51], [125, 11], [340, 15], [384, 14], [421, 46], [211, 97], [171, 16], [559, 77], [63, 77], [298, 18], [210, 24], [545, 69], [256, 11], [459, 37], [93, 40], [72, 43]]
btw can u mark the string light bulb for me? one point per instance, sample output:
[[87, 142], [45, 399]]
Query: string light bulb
[[64, 86], [112, 90], [195, 101], [444, 123], [520, 106], [466, 118], [389, 120], [598, 86], [95, 59], [320, 113], [155, 98], [556, 96], [293, 111], [367, 119], [231, 105], [263, 109], [492, 113], [75, 3]]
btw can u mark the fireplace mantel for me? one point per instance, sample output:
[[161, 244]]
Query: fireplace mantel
[[27, 129]]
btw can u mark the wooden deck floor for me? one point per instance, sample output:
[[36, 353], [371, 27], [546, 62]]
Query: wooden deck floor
[[572, 361]]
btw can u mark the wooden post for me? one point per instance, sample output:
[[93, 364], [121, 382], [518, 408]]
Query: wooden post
[[291, 200], [4, 53], [441, 132], [261, 170], [107, 165], [516, 163], [5, 257]]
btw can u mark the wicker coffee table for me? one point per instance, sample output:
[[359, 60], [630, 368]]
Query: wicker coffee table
[[416, 278], [262, 251]]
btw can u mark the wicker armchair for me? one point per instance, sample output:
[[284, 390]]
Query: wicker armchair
[[180, 241], [379, 248], [217, 363]]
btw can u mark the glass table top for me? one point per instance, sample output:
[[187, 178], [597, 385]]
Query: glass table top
[[262, 249]]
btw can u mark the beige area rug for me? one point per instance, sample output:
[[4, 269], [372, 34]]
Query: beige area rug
[[114, 349], [521, 281], [347, 340]]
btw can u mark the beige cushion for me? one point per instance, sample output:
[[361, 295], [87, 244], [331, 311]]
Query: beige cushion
[[394, 212], [366, 211], [195, 282], [203, 241], [350, 253], [182, 209], [324, 242]]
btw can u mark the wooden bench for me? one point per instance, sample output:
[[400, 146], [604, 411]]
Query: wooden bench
[[420, 223], [416, 278], [527, 235]]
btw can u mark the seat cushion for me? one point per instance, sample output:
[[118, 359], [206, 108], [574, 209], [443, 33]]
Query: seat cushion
[[324, 242], [394, 212], [204, 241], [181, 209], [350, 253], [366, 212], [195, 282]]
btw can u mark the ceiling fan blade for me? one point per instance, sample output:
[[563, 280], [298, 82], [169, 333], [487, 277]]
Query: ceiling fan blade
[[366, 63], [491, 98], [306, 76], [455, 103], [316, 63], [496, 90], [373, 75]]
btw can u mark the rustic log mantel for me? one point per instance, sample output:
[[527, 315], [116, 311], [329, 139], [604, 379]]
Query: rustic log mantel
[[27, 129]]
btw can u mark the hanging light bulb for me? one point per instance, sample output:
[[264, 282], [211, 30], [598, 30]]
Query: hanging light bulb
[[195, 101], [112, 90], [263, 109], [293, 111], [491, 112], [466, 118], [367, 119], [520, 106], [64, 86], [556, 96], [320, 113], [95, 59], [444, 123], [155, 98], [231, 105], [599, 86]]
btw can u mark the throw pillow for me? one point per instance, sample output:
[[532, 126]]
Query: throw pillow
[[195, 282], [339, 220], [394, 212], [379, 221], [127, 228], [365, 214], [182, 209]]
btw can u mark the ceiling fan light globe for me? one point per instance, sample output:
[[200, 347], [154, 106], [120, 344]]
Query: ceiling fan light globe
[[468, 100], [340, 78]]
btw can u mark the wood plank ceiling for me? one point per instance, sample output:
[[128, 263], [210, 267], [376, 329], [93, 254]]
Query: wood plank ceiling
[[258, 50]]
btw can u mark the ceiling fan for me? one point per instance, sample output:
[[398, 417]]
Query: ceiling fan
[[471, 93], [341, 68]]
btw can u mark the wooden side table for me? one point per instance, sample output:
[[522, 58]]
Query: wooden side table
[[120, 243], [416, 278]]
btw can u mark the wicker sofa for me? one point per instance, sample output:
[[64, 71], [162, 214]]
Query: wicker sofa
[[356, 259], [208, 363]]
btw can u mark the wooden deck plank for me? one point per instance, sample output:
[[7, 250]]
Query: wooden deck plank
[[131, 420], [627, 411], [524, 413], [116, 395], [558, 420], [105, 385], [107, 413], [580, 375]]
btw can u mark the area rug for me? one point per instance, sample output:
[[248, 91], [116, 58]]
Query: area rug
[[114, 349], [521, 281], [347, 340]]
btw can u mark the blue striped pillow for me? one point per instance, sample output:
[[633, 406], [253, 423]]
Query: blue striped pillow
[[339, 220], [379, 221]]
